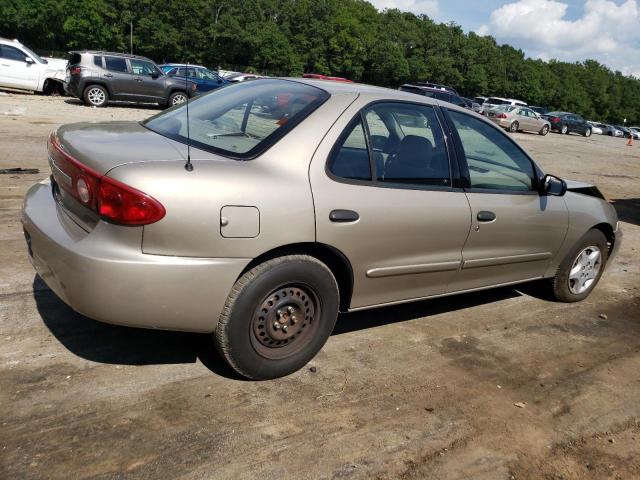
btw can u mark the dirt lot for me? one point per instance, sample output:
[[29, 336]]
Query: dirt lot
[[427, 390]]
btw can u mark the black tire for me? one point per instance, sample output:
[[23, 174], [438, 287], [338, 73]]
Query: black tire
[[176, 98], [564, 129], [95, 96], [247, 335], [544, 130], [513, 128], [587, 132], [562, 289]]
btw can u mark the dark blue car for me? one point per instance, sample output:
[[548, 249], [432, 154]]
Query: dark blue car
[[204, 78]]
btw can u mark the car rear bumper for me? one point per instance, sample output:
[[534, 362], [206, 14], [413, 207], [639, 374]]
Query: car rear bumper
[[501, 122], [105, 276]]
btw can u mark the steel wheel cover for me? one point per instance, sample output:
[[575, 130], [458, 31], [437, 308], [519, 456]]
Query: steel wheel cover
[[585, 270]]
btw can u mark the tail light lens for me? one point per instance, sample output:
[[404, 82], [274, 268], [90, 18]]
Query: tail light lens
[[75, 70], [502, 115], [555, 119], [114, 201]]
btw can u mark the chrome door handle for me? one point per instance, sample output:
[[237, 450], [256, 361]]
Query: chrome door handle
[[108, 75], [485, 216]]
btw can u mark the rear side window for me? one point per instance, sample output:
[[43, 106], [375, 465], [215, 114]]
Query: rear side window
[[406, 142], [494, 160], [97, 60], [115, 64], [350, 158], [74, 59], [243, 120]]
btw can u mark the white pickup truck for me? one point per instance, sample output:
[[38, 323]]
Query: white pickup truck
[[22, 69]]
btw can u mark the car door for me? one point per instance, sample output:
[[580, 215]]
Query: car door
[[149, 81], [119, 79], [522, 118], [16, 71], [515, 230], [383, 195]]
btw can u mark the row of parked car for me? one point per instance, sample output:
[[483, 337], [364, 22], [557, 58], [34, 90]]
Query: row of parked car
[[98, 77], [515, 115]]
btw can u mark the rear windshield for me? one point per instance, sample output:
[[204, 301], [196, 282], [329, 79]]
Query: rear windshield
[[242, 120], [74, 59]]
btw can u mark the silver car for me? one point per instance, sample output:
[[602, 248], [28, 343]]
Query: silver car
[[281, 202], [514, 118]]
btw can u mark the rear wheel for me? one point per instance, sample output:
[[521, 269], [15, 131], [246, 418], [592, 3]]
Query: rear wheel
[[544, 130], [564, 129], [96, 96], [587, 132], [581, 269], [177, 98], [514, 127], [278, 316]]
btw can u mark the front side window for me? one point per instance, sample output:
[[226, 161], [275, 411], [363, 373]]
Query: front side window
[[495, 162], [11, 53], [406, 142], [243, 120], [140, 67], [116, 64]]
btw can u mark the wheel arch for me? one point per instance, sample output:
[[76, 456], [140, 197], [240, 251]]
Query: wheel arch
[[333, 258], [608, 232]]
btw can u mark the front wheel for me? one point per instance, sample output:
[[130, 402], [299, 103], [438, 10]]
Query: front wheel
[[581, 269], [544, 130], [513, 127], [278, 316]]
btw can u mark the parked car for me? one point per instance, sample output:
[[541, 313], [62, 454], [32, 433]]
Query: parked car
[[242, 77], [23, 69], [472, 104], [513, 119], [626, 132], [479, 100], [565, 122], [98, 77], [491, 102], [205, 79], [129, 230], [610, 130], [438, 86], [540, 110], [436, 93], [635, 130], [596, 129]]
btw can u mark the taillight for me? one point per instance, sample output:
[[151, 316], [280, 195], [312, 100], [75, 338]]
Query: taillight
[[75, 70], [124, 205], [114, 201], [555, 119], [502, 115]]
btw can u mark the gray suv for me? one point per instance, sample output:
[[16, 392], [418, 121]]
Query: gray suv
[[97, 77]]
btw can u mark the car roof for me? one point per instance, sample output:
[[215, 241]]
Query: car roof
[[111, 54], [181, 65]]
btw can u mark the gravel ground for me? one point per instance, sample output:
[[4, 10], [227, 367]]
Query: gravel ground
[[500, 384]]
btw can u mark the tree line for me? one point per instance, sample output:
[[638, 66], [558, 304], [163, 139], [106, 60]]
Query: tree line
[[347, 38]]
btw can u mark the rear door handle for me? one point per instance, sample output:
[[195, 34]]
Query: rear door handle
[[343, 216], [108, 75], [485, 216]]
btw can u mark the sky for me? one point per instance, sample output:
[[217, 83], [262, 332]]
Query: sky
[[570, 30]]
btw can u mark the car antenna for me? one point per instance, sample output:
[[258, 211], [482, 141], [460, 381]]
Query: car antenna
[[188, 166]]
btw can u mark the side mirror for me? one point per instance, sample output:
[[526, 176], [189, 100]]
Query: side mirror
[[29, 60], [552, 185]]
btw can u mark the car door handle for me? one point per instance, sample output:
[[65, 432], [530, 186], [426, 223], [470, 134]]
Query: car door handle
[[343, 216], [485, 216], [108, 75], [138, 79]]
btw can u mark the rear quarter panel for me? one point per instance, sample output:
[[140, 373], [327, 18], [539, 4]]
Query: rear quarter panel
[[276, 183]]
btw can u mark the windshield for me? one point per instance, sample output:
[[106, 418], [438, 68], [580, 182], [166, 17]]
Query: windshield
[[242, 120]]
